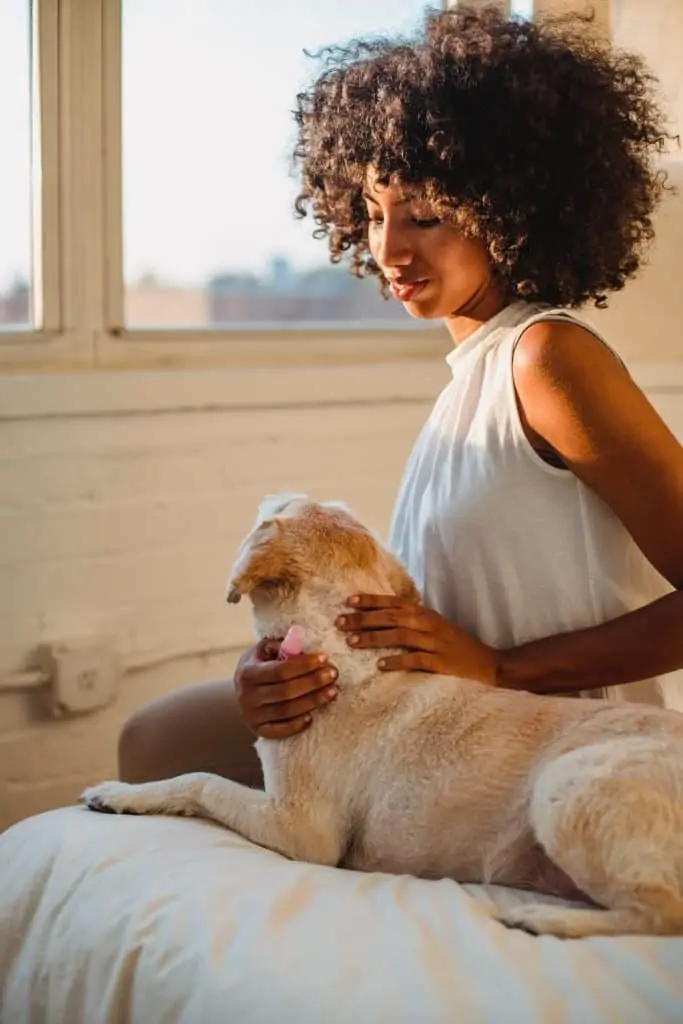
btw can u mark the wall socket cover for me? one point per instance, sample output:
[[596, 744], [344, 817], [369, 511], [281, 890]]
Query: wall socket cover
[[84, 674]]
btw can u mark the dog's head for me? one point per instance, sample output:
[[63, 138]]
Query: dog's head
[[296, 542]]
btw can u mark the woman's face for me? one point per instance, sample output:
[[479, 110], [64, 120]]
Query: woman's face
[[430, 267]]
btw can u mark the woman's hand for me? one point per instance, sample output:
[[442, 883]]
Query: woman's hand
[[277, 698], [430, 643]]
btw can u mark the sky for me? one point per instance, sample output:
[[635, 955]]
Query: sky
[[209, 86], [208, 90]]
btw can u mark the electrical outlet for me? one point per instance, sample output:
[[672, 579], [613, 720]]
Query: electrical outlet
[[84, 675]]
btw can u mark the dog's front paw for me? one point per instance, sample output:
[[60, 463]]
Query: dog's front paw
[[110, 798], [542, 919], [521, 918]]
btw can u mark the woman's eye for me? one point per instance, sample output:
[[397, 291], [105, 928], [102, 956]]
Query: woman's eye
[[430, 222]]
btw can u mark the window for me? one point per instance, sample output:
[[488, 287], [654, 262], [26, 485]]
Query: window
[[145, 194], [209, 235], [522, 9], [16, 299]]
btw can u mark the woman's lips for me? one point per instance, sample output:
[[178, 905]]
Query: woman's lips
[[408, 291]]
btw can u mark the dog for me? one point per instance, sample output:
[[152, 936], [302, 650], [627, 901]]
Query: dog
[[437, 776]]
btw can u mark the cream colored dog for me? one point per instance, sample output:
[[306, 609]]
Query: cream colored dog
[[438, 776]]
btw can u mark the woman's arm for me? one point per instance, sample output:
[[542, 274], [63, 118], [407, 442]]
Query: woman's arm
[[575, 397], [642, 644]]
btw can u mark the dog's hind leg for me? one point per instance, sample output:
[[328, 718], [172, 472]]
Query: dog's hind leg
[[309, 833], [612, 820]]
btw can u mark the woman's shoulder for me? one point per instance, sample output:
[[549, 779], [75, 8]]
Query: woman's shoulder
[[556, 360], [560, 347], [562, 369]]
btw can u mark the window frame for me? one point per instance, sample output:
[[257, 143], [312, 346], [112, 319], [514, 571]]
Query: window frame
[[45, 184], [78, 232]]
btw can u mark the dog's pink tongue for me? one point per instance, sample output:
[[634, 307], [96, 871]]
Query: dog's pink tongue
[[293, 643]]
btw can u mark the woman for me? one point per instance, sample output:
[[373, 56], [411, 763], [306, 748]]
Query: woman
[[494, 174]]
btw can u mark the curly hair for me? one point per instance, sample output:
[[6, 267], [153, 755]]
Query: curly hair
[[538, 139]]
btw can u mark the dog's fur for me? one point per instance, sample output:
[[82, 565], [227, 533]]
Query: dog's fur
[[437, 776]]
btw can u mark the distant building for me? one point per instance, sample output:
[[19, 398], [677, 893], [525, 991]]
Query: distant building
[[282, 278], [15, 305], [327, 294], [283, 295], [151, 303]]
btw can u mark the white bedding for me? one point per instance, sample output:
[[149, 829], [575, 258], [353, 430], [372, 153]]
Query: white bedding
[[151, 920]]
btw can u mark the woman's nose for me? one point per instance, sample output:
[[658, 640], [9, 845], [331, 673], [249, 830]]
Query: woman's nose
[[394, 248]]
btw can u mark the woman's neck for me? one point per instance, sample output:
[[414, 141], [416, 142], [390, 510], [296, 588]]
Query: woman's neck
[[481, 308]]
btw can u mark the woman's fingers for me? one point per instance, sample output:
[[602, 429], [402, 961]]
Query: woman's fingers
[[292, 689], [414, 661], [375, 601], [274, 693], [283, 730], [265, 673], [408, 638], [281, 696], [299, 706], [407, 616]]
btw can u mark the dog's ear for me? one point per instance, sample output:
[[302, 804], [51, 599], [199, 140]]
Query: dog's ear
[[263, 560]]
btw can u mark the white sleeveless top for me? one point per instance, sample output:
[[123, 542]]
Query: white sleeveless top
[[499, 542]]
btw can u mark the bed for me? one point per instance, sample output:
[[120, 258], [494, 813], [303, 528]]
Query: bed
[[150, 920]]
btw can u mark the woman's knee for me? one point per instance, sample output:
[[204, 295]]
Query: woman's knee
[[135, 748], [199, 728]]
